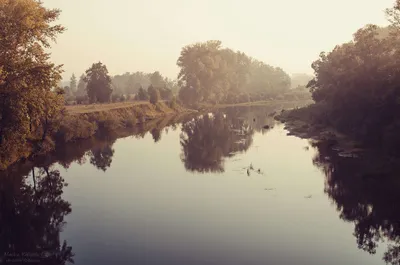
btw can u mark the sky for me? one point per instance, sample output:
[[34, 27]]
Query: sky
[[148, 35]]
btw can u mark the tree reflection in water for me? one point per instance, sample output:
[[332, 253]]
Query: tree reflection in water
[[366, 192], [208, 139], [32, 217]]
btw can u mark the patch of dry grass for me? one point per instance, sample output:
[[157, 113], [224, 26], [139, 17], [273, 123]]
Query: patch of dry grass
[[79, 109]]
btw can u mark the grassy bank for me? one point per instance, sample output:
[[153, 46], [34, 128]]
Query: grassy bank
[[75, 151], [83, 122], [79, 109]]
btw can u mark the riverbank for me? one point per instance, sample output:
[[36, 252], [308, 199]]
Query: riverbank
[[302, 122], [81, 122], [75, 151], [78, 123], [298, 103]]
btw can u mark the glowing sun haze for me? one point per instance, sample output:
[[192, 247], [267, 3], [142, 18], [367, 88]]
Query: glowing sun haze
[[147, 35]]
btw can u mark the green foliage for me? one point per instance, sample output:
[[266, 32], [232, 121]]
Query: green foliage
[[72, 129], [107, 123], [209, 73], [154, 94], [98, 83], [26, 74], [358, 83]]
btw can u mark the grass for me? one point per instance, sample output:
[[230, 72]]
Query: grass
[[79, 109]]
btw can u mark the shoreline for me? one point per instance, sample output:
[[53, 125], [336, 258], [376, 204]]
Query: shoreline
[[83, 122], [74, 127], [305, 129]]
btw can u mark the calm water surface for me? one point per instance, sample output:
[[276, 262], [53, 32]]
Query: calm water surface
[[212, 190]]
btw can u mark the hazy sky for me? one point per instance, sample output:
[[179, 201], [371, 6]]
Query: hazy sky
[[147, 35]]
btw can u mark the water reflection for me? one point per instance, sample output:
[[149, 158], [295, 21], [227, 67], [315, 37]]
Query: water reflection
[[101, 156], [32, 217], [99, 150], [208, 139], [366, 192]]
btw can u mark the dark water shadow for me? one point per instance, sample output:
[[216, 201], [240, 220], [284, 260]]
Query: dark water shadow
[[32, 213], [366, 192]]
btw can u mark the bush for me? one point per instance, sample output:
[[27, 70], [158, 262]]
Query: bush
[[72, 128], [130, 122], [108, 123]]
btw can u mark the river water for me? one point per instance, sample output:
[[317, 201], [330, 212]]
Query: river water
[[216, 189]]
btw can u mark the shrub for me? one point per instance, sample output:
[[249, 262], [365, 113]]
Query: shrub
[[130, 122], [73, 128], [107, 122]]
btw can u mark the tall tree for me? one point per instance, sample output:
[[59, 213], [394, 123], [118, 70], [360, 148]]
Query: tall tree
[[154, 94], [212, 73], [98, 83], [73, 84], [81, 89], [25, 70], [157, 80], [142, 94]]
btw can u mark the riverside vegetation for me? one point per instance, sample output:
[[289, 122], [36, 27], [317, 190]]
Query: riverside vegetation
[[34, 119], [356, 91]]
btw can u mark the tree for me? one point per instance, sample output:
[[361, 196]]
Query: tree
[[131, 86], [142, 94], [101, 157], [98, 83], [356, 86], [154, 94], [73, 84], [81, 90], [393, 15], [166, 93], [26, 74], [206, 141], [212, 73], [156, 79], [67, 91]]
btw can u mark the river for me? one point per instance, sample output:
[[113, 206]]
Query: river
[[217, 189]]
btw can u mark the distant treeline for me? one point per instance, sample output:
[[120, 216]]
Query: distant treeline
[[117, 88], [214, 74], [208, 73]]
